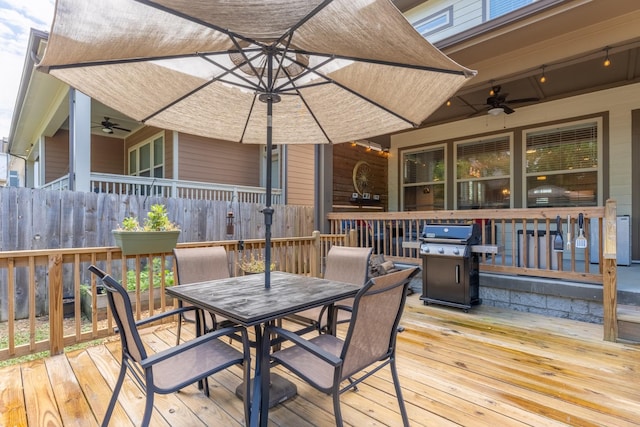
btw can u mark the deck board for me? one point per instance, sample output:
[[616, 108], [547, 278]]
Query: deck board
[[489, 367]]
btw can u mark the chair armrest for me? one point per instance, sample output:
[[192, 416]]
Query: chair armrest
[[307, 345], [159, 316], [170, 352]]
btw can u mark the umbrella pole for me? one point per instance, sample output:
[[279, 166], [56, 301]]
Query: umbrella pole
[[268, 210]]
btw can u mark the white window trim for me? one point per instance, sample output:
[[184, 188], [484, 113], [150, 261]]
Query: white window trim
[[149, 141]]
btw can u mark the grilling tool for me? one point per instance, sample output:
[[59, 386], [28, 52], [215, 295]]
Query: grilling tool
[[558, 243], [568, 232], [581, 241]]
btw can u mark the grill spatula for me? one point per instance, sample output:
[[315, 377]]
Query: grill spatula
[[558, 243], [581, 241]]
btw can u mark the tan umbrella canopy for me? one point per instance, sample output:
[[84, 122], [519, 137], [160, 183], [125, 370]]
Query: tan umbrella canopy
[[254, 71]]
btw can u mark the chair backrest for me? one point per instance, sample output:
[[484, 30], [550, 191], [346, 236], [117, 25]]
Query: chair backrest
[[377, 309], [195, 265], [348, 264], [120, 306]]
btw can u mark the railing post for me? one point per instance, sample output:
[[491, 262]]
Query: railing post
[[315, 255], [56, 314], [609, 278], [352, 238]]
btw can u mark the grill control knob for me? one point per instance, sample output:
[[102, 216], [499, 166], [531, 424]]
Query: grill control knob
[[456, 251], [440, 250], [425, 249]]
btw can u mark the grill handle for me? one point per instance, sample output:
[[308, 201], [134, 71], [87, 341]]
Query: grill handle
[[458, 274], [443, 240]]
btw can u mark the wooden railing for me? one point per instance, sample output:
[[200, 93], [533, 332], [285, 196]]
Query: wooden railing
[[388, 233], [163, 187], [43, 280]]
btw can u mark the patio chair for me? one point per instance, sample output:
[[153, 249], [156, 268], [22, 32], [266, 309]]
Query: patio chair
[[325, 361], [174, 368], [195, 265], [344, 264]]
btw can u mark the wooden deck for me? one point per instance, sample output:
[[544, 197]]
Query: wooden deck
[[488, 367]]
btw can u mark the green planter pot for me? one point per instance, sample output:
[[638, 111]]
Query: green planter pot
[[146, 242]]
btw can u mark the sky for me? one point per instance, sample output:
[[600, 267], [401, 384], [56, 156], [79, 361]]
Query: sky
[[17, 17]]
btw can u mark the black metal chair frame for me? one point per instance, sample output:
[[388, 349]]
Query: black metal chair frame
[[319, 345], [141, 366]]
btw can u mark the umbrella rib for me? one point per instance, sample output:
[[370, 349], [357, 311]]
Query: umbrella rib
[[466, 73], [302, 21], [353, 92], [232, 71], [246, 122], [243, 52], [202, 86]]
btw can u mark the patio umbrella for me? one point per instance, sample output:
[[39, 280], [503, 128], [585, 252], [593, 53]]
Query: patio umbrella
[[255, 71]]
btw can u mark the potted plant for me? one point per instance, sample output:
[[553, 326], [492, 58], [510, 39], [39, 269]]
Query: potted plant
[[254, 265], [156, 235]]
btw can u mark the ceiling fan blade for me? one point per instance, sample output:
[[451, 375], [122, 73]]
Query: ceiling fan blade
[[120, 128], [507, 109], [521, 100]]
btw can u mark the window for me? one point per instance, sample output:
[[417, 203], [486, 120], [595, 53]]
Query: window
[[483, 171], [498, 8], [424, 180], [147, 158], [435, 22], [562, 166]]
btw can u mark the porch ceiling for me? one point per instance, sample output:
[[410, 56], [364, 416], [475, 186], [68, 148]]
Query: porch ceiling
[[569, 39]]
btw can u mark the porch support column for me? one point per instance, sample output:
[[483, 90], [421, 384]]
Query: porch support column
[[79, 141], [323, 194]]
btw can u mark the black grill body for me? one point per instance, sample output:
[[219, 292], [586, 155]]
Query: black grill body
[[449, 265]]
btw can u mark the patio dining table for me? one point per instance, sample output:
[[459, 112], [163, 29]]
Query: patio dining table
[[245, 301]]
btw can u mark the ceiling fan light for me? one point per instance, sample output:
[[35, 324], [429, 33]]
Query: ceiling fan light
[[607, 61], [496, 111], [107, 130]]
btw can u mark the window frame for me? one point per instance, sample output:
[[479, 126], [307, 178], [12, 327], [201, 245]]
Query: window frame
[[436, 147], [560, 127], [489, 138], [152, 166]]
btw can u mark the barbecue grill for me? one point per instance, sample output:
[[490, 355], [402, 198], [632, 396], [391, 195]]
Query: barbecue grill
[[450, 264]]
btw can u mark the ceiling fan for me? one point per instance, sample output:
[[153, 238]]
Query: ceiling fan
[[497, 102], [108, 126]]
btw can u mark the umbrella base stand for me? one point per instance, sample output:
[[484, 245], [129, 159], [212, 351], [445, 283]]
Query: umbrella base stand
[[280, 389]]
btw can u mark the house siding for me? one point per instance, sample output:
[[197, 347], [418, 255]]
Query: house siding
[[106, 155], [224, 162], [300, 173], [466, 14]]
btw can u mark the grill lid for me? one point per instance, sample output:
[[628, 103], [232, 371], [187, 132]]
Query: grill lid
[[468, 234]]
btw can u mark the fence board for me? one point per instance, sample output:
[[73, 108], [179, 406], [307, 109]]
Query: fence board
[[52, 219]]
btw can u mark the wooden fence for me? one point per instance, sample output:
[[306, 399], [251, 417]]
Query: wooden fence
[[32, 219]]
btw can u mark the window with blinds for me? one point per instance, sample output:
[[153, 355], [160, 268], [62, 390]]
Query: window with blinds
[[483, 174], [562, 166], [424, 179], [502, 7]]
